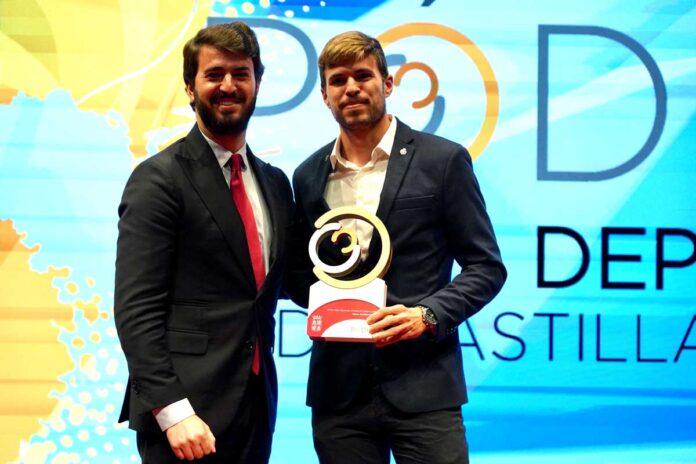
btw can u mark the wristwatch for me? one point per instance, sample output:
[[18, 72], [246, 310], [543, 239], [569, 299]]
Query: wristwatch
[[429, 318]]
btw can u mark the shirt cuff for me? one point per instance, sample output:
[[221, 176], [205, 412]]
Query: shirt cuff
[[173, 413]]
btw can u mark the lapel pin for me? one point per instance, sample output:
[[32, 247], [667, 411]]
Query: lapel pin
[[402, 151]]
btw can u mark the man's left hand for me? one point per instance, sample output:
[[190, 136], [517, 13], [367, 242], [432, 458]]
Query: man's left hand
[[395, 323]]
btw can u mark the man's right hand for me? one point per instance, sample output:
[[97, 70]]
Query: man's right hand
[[191, 439]]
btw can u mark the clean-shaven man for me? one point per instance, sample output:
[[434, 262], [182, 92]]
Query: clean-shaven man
[[402, 394]]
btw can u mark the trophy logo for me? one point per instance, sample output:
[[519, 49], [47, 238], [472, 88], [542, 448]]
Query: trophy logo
[[338, 307]]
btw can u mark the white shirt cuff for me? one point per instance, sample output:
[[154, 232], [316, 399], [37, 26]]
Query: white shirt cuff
[[174, 413]]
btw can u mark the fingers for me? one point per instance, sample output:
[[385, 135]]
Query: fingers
[[191, 439], [197, 450], [395, 323], [385, 312], [179, 453], [192, 450], [387, 317], [209, 443], [406, 331], [388, 333], [188, 452]]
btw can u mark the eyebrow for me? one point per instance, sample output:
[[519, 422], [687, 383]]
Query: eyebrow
[[351, 71], [223, 68]]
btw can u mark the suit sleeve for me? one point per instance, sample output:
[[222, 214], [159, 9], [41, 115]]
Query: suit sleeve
[[471, 241], [298, 275], [148, 225]]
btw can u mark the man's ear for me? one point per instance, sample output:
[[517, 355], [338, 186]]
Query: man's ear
[[388, 85], [325, 97], [189, 92]]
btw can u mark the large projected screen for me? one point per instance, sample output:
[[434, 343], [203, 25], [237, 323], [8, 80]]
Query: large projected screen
[[580, 117]]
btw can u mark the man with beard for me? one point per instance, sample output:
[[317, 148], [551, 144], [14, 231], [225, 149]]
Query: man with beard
[[201, 253], [403, 393]]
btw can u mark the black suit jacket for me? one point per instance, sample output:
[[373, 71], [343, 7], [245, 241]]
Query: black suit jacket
[[186, 306], [433, 209]]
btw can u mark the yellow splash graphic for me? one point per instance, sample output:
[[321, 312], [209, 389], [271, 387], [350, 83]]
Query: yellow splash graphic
[[31, 356], [122, 56]]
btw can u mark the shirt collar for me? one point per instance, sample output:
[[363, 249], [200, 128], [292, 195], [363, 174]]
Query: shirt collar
[[223, 155], [384, 147]]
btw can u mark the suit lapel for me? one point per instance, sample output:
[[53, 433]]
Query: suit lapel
[[399, 160], [316, 180], [318, 177], [269, 195], [203, 171]]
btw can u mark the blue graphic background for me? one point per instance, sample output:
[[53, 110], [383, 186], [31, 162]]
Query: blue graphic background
[[584, 385]]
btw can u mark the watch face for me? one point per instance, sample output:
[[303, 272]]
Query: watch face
[[429, 316]]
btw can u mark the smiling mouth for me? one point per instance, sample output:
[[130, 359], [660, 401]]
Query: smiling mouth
[[228, 106], [227, 102]]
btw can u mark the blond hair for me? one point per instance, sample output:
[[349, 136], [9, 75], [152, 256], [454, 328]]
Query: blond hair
[[349, 47]]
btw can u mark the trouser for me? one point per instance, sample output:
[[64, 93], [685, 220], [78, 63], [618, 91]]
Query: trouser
[[366, 431]]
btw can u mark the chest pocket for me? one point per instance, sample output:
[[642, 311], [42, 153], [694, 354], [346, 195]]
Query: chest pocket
[[414, 203]]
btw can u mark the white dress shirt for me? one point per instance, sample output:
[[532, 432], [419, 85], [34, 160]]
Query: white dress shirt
[[361, 186], [176, 412]]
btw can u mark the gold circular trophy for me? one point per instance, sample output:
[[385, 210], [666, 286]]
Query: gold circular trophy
[[338, 308]]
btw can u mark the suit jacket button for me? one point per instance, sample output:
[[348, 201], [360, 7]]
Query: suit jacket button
[[249, 346]]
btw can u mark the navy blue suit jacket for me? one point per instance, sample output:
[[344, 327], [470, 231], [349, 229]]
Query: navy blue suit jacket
[[435, 214]]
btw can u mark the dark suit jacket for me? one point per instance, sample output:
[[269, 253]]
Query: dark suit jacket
[[186, 305], [433, 209]]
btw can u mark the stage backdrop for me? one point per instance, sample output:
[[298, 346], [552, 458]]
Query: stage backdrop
[[580, 117]]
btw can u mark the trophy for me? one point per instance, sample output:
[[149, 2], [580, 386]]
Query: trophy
[[338, 308]]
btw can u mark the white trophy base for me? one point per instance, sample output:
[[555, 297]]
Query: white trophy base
[[338, 315]]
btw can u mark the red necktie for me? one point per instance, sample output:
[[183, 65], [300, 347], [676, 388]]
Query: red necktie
[[241, 200]]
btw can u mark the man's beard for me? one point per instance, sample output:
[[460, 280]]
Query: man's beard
[[364, 120], [223, 124]]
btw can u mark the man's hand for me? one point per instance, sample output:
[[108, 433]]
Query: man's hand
[[191, 439], [395, 323]]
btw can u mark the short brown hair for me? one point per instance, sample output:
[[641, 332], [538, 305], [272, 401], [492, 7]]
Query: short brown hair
[[235, 37], [349, 47]]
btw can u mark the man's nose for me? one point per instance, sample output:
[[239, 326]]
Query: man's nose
[[352, 87], [227, 85]]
